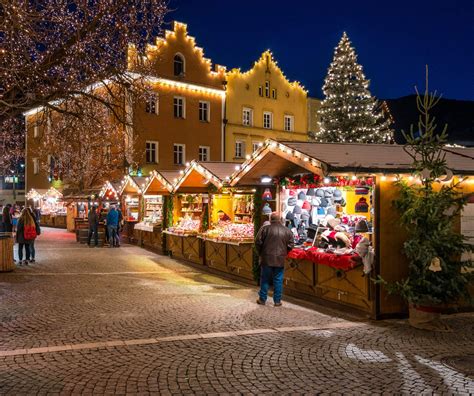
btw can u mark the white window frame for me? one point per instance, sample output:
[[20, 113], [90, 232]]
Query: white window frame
[[208, 153], [156, 144], [153, 99], [270, 124], [183, 146], [256, 146], [183, 105], [35, 166], [183, 72], [206, 111], [289, 127], [249, 121], [241, 144]]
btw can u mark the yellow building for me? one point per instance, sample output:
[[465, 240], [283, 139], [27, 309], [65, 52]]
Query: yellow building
[[261, 103]]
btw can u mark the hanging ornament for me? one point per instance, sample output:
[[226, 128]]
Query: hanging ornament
[[267, 195], [435, 265]]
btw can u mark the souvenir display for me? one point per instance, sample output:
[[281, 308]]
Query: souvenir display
[[227, 231], [186, 226]]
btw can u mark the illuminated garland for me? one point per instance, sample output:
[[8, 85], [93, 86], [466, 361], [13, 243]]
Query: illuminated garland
[[314, 181]]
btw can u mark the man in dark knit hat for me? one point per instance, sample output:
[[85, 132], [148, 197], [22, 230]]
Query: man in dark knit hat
[[273, 242]]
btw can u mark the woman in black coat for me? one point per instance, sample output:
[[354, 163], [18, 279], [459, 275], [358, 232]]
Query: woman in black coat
[[7, 219], [26, 219]]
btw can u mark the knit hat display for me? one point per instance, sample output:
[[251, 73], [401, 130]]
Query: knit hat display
[[311, 192], [316, 201], [301, 196], [267, 195], [331, 211], [305, 216], [321, 211], [331, 221], [297, 209], [267, 209], [362, 206], [319, 192], [292, 193], [306, 205], [290, 216], [337, 195], [291, 201], [362, 226], [327, 193], [324, 203], [361, 190]]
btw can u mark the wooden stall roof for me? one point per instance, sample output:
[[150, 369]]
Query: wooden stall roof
[[132, 184], [198, 175], [377, 157], [76, 195], [160, 182], [274, 159]]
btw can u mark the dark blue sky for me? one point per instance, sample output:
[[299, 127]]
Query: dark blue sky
[[393, 39]]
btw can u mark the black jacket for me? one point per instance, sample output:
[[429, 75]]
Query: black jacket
[[93, 218], [273, 242], [7, 220], [20, 235]]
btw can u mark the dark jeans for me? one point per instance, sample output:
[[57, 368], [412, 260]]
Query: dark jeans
[[93, 232], [113, 237], [32, 250], [266, 275], [20, 251]]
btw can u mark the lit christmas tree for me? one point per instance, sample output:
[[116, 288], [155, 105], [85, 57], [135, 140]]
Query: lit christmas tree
[[349, 113]]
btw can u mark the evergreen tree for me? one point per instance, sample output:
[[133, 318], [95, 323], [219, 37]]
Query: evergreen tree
[[349, 113]]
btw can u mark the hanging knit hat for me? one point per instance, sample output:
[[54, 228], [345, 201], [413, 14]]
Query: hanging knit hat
[[291, 201], [267, 209], [297, 209], [301, 196], [337, 195], [331, 211], [362, 206], [306, 205], [327, 193], [292, 193], [311, 192], [290, 216], [319, 192], [316, 201], [304, 216], [267, 195], [324, 203], [362, 226], [321, 211], [361, 190]]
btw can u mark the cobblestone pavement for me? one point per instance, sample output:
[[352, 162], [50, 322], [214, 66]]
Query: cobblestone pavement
[[117, 321]]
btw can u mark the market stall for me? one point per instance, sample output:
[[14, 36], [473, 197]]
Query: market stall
[[78, 204], [337, 200], [207, 215], [156, 194], [130, 192], [51, 205]]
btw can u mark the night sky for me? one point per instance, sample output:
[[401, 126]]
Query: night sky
[[394, 40]]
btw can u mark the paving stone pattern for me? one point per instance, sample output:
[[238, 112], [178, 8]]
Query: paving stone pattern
[[118, 321]]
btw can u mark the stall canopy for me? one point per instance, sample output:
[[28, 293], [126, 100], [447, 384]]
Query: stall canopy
[[132, 185], [198, 175], [276, 159], [86, 195], [161, 182], [110, 191]]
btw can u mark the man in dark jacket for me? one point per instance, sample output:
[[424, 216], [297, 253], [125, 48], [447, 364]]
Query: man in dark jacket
[[93, 218], [7, 219], [273, 242]]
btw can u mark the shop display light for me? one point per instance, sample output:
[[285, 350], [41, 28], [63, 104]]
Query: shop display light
[[266, 179]]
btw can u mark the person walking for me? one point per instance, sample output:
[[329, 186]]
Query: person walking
[[112, 225], [273, 242], [120, 223], [38, 232], [93, 218], [25, 235], [7, 219]]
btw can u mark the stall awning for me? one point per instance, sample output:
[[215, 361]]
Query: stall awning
[[274, 159], [161, 182], [377, 157], [198, 175], [132, 184]]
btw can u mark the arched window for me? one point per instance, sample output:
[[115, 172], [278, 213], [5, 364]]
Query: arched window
[[178, 65]]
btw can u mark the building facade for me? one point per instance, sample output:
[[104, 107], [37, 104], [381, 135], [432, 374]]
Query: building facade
[[313, 116], [180, 119], [261, 103]]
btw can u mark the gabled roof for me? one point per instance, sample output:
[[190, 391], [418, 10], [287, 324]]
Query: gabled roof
[[134, 184], [110, 189], [160, 182], [199, 174]]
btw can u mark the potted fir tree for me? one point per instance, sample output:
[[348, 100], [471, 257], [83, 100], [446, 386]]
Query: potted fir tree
[[429, 208]]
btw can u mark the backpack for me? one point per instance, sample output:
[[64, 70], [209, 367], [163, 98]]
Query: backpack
[[29, 232]]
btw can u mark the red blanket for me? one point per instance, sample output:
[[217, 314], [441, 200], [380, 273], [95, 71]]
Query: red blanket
[[343, 262]]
